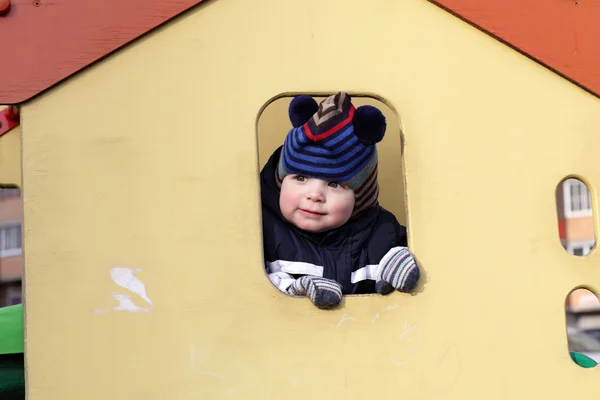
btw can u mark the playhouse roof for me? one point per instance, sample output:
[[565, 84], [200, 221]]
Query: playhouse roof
[[46, 41], [560, 34]]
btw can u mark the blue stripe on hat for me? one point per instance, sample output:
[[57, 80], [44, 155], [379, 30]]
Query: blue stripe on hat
[[301, 155], [341, 173], [326, 145], [343, 145], [349, 160]]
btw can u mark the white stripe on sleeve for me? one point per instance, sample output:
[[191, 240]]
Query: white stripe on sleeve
[[294, 267], [364, 273]]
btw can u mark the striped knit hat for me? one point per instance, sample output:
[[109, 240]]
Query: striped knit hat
[[334, 141]]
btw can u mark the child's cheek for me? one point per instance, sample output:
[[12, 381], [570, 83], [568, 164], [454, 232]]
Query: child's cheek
[[286, 203], [343, 208]]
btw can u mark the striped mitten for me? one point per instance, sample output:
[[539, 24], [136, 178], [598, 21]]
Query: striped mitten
[[324, 293], [397, 270]]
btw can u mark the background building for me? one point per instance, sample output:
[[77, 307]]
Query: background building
[[575, 217], [11, 210]]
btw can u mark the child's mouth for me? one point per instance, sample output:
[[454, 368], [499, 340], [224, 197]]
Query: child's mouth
[[312, 214]]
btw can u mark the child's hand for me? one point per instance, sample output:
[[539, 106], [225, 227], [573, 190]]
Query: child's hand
[[397, 270], [324, 293]]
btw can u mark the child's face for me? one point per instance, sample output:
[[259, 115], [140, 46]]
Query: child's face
[[315, 205]]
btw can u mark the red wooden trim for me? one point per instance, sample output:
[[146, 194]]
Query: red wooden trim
[[9, 118], [44, 41], [562, 229], [563, 35]]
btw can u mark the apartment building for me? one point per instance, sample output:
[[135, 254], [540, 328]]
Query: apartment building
[[11, 251]]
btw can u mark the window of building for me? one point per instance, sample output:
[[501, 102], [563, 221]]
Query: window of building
[[575, 212], [9, 192], [580, 196], [10, 240], [577, 198]]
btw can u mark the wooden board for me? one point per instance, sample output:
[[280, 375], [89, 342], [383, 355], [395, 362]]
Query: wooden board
[[45, 41], [560, 34]]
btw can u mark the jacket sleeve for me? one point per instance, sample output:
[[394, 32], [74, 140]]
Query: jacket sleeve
[[401, 235], [391, 235], [281, 280]]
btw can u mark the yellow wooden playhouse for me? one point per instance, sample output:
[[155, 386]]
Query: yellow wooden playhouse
[[139, 176]]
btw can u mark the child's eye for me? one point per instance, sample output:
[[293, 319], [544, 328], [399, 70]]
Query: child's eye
[[300, 178], [334, 185]]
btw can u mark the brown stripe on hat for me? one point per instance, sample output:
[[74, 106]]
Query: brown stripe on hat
[[367, 169], [365, 207], [329, 109], [370, 195], [370, 203], [367, 195], [367, 186]]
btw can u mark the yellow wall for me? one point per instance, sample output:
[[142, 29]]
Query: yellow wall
[[159, 160], [10, 156]]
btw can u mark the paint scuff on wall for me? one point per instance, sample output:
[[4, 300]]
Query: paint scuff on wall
[[125, 278]]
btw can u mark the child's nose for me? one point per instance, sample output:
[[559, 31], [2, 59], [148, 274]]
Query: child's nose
[[315, 193]]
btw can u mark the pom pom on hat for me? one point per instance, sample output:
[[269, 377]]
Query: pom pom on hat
[[369, 124], [302, 108]]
